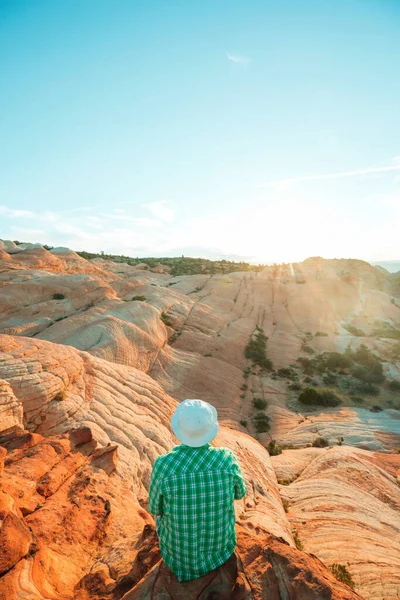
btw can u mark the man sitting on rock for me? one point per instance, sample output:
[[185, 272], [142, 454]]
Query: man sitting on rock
[[192, 492]]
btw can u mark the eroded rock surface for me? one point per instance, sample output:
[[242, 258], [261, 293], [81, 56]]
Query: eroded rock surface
[[344, 504]]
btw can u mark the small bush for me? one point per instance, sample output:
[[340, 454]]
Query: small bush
[[340, 440], [243, 422], [285, 505], [58, 296], [286, 373], [273, 448], [394, 385], [319, 397], [355, 331], [139, 298], [207, 355], [295, 387], [261, 422], [174, 337], [342, 574], [242, 396], [298, 542], [244, 386], [256, 350], [376, 408], [320, 442], [166, 319], [259, 403], [61, 396], [321, 334], [308, 349], [357, 399], [329, 379]]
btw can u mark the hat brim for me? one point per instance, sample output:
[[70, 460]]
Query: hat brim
[[194, 441]]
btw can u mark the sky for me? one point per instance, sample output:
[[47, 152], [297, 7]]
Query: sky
[[257, 129]]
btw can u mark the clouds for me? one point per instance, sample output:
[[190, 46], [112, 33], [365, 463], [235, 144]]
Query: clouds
[[238, 59], [370, 170], [162, 210]]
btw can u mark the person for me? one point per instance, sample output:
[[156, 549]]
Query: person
[[192, 493]]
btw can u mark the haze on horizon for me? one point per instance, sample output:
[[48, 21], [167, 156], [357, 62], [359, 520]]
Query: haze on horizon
[[255, 129]]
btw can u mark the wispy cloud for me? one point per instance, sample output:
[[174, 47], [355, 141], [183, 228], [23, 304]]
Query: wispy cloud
[[359, 172], [236, 58], [161, 210]]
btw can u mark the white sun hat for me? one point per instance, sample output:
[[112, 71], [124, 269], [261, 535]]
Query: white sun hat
[[195, 423]]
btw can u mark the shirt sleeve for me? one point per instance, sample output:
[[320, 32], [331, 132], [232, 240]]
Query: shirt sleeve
[[156, 499], [240, 484]]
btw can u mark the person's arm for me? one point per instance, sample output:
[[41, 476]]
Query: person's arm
[[156, 499], [240, 484]]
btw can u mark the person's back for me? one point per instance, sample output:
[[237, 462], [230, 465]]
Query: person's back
[[192, 489]]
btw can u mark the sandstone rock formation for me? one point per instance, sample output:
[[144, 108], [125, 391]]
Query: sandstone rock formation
[[345, 506], [94, 356], [73, 529]]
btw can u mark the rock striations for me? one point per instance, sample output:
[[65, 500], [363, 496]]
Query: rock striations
[[94, 357]]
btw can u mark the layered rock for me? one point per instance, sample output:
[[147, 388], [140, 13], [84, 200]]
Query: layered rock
[[72, 529], [344, 505]]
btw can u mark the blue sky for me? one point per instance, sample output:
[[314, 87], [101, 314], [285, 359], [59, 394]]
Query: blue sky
[[263, 129]]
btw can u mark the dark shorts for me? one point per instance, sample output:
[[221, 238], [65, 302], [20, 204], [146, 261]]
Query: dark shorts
[[224, 583]]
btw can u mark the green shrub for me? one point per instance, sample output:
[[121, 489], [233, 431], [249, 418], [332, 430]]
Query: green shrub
[[357, 399], [298, 542], [139, 298], [373, 374], [355, 330], [58, 296], [376, 408], [174, 336], [295, 387], [394, 385], [207, 355], [273, 448], [335, 360], [166, 319], [244, 386], [320, 442], [342, 574], [329, 379], [319, 397], [321, 334], [243, 422], [260, 403], [361, 387], [256, 350], [286, 373], [261, 422], [242, 396], [308, 349]]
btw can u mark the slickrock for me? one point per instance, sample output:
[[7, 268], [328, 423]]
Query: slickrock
[[344, 505], [11, 410], [71, 512], [268, 569], [359, 427], [60, 388], [72, 529]]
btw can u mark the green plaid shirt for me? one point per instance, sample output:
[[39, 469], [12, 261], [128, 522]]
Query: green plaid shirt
[[192, 490]]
